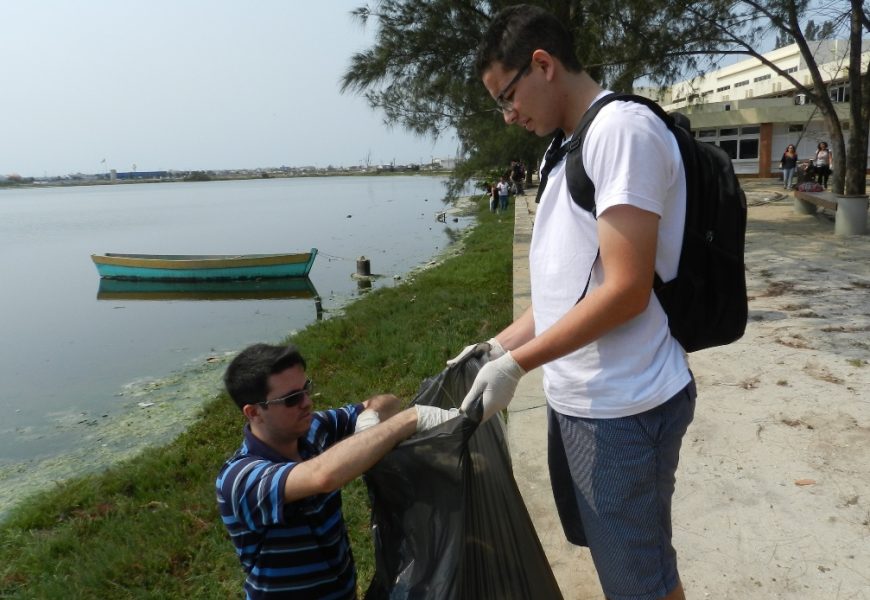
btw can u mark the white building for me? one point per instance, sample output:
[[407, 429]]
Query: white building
[[445, 163], [754, 113]]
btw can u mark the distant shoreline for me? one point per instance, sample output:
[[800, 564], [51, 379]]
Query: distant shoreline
[[192, 177]]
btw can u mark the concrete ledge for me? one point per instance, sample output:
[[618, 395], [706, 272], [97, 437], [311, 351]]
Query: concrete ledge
[[806, 203], [851, 211], [527, 440]]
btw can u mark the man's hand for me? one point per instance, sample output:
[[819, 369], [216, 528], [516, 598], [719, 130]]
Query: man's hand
[[497, 381], [432, 416], [491, 346]]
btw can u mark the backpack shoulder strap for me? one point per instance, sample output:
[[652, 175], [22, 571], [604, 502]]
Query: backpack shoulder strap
[[581, 187], [557, 150], [555, 153]]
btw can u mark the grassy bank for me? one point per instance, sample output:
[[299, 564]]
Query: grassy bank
[[149, 528]]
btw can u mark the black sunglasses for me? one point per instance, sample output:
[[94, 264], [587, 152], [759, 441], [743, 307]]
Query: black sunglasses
[[292, 398]]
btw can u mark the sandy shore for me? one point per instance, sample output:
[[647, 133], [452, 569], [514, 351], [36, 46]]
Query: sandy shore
[[773, 489]]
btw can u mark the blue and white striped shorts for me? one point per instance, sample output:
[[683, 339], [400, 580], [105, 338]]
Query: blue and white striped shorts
[[613, 480]]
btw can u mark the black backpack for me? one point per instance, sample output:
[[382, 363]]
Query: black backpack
[[706, 302]]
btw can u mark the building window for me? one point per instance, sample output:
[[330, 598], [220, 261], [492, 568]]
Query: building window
[[749, 148], [705, 133], [795, 128], [738, 142], [723, 88], [839, 93], [791, 69], [761, 78], [729, 146], [741, 83]]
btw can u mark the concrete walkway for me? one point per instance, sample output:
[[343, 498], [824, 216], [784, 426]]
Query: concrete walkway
[[527, 436]]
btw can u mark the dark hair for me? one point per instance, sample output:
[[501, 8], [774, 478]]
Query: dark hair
[[819, 147], [517, 31], [247, 376]]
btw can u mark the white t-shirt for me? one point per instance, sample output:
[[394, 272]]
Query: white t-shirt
[[823, 157], [632, 158]]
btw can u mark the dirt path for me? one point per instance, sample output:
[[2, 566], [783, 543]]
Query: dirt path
[[773, 491]]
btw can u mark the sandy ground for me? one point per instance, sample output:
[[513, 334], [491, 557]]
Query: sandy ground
[[773, 489]]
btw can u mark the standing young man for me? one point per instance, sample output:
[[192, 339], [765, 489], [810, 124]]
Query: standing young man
[[279, 496], [619, 392]]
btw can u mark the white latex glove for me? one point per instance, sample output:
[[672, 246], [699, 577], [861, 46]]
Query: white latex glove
[[492, 346], [497, 381], [432, 416], [367, 419]]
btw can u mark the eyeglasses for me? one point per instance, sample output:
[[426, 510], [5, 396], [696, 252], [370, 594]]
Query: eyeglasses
[[506, 105], [292, 398]]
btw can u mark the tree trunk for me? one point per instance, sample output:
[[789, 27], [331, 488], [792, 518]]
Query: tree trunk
[[838, 147], [859, 108]]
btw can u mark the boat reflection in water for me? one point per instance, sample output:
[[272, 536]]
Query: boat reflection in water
[[288, 288]]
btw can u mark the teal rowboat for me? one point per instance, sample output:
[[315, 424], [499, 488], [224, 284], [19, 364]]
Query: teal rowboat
[[209, 267]]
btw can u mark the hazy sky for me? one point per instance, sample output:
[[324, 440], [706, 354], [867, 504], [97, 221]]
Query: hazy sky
[[187, 84]]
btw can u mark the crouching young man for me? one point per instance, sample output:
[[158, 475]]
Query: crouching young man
[[279, 496]]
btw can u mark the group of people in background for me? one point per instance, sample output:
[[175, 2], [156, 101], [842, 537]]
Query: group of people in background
[[819, 168], [511, 182]]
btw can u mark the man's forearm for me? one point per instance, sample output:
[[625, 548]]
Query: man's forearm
[[349, 458], [584, 323], [519, 332]]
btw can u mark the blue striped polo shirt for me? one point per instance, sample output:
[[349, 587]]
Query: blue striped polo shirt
[[298, 549]]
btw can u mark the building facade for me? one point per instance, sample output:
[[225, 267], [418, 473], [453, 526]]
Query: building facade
[[753, 113]]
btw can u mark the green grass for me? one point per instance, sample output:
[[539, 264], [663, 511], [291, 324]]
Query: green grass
[[149, 528]]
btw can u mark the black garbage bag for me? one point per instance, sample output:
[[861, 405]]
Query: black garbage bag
[[448, 520]]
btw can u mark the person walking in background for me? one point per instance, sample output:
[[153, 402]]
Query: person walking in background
[[788, 163], [823, 163], [517, 176], [493, 197], [619, 392], [279, 496], [504, 189]]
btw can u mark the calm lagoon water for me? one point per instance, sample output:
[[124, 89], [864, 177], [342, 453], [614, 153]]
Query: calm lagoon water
[[88, 380]]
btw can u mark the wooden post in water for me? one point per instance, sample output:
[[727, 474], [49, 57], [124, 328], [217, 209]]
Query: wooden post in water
[[363, 266]]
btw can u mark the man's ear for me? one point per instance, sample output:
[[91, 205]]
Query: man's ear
[[545, 61], [251, 411]]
